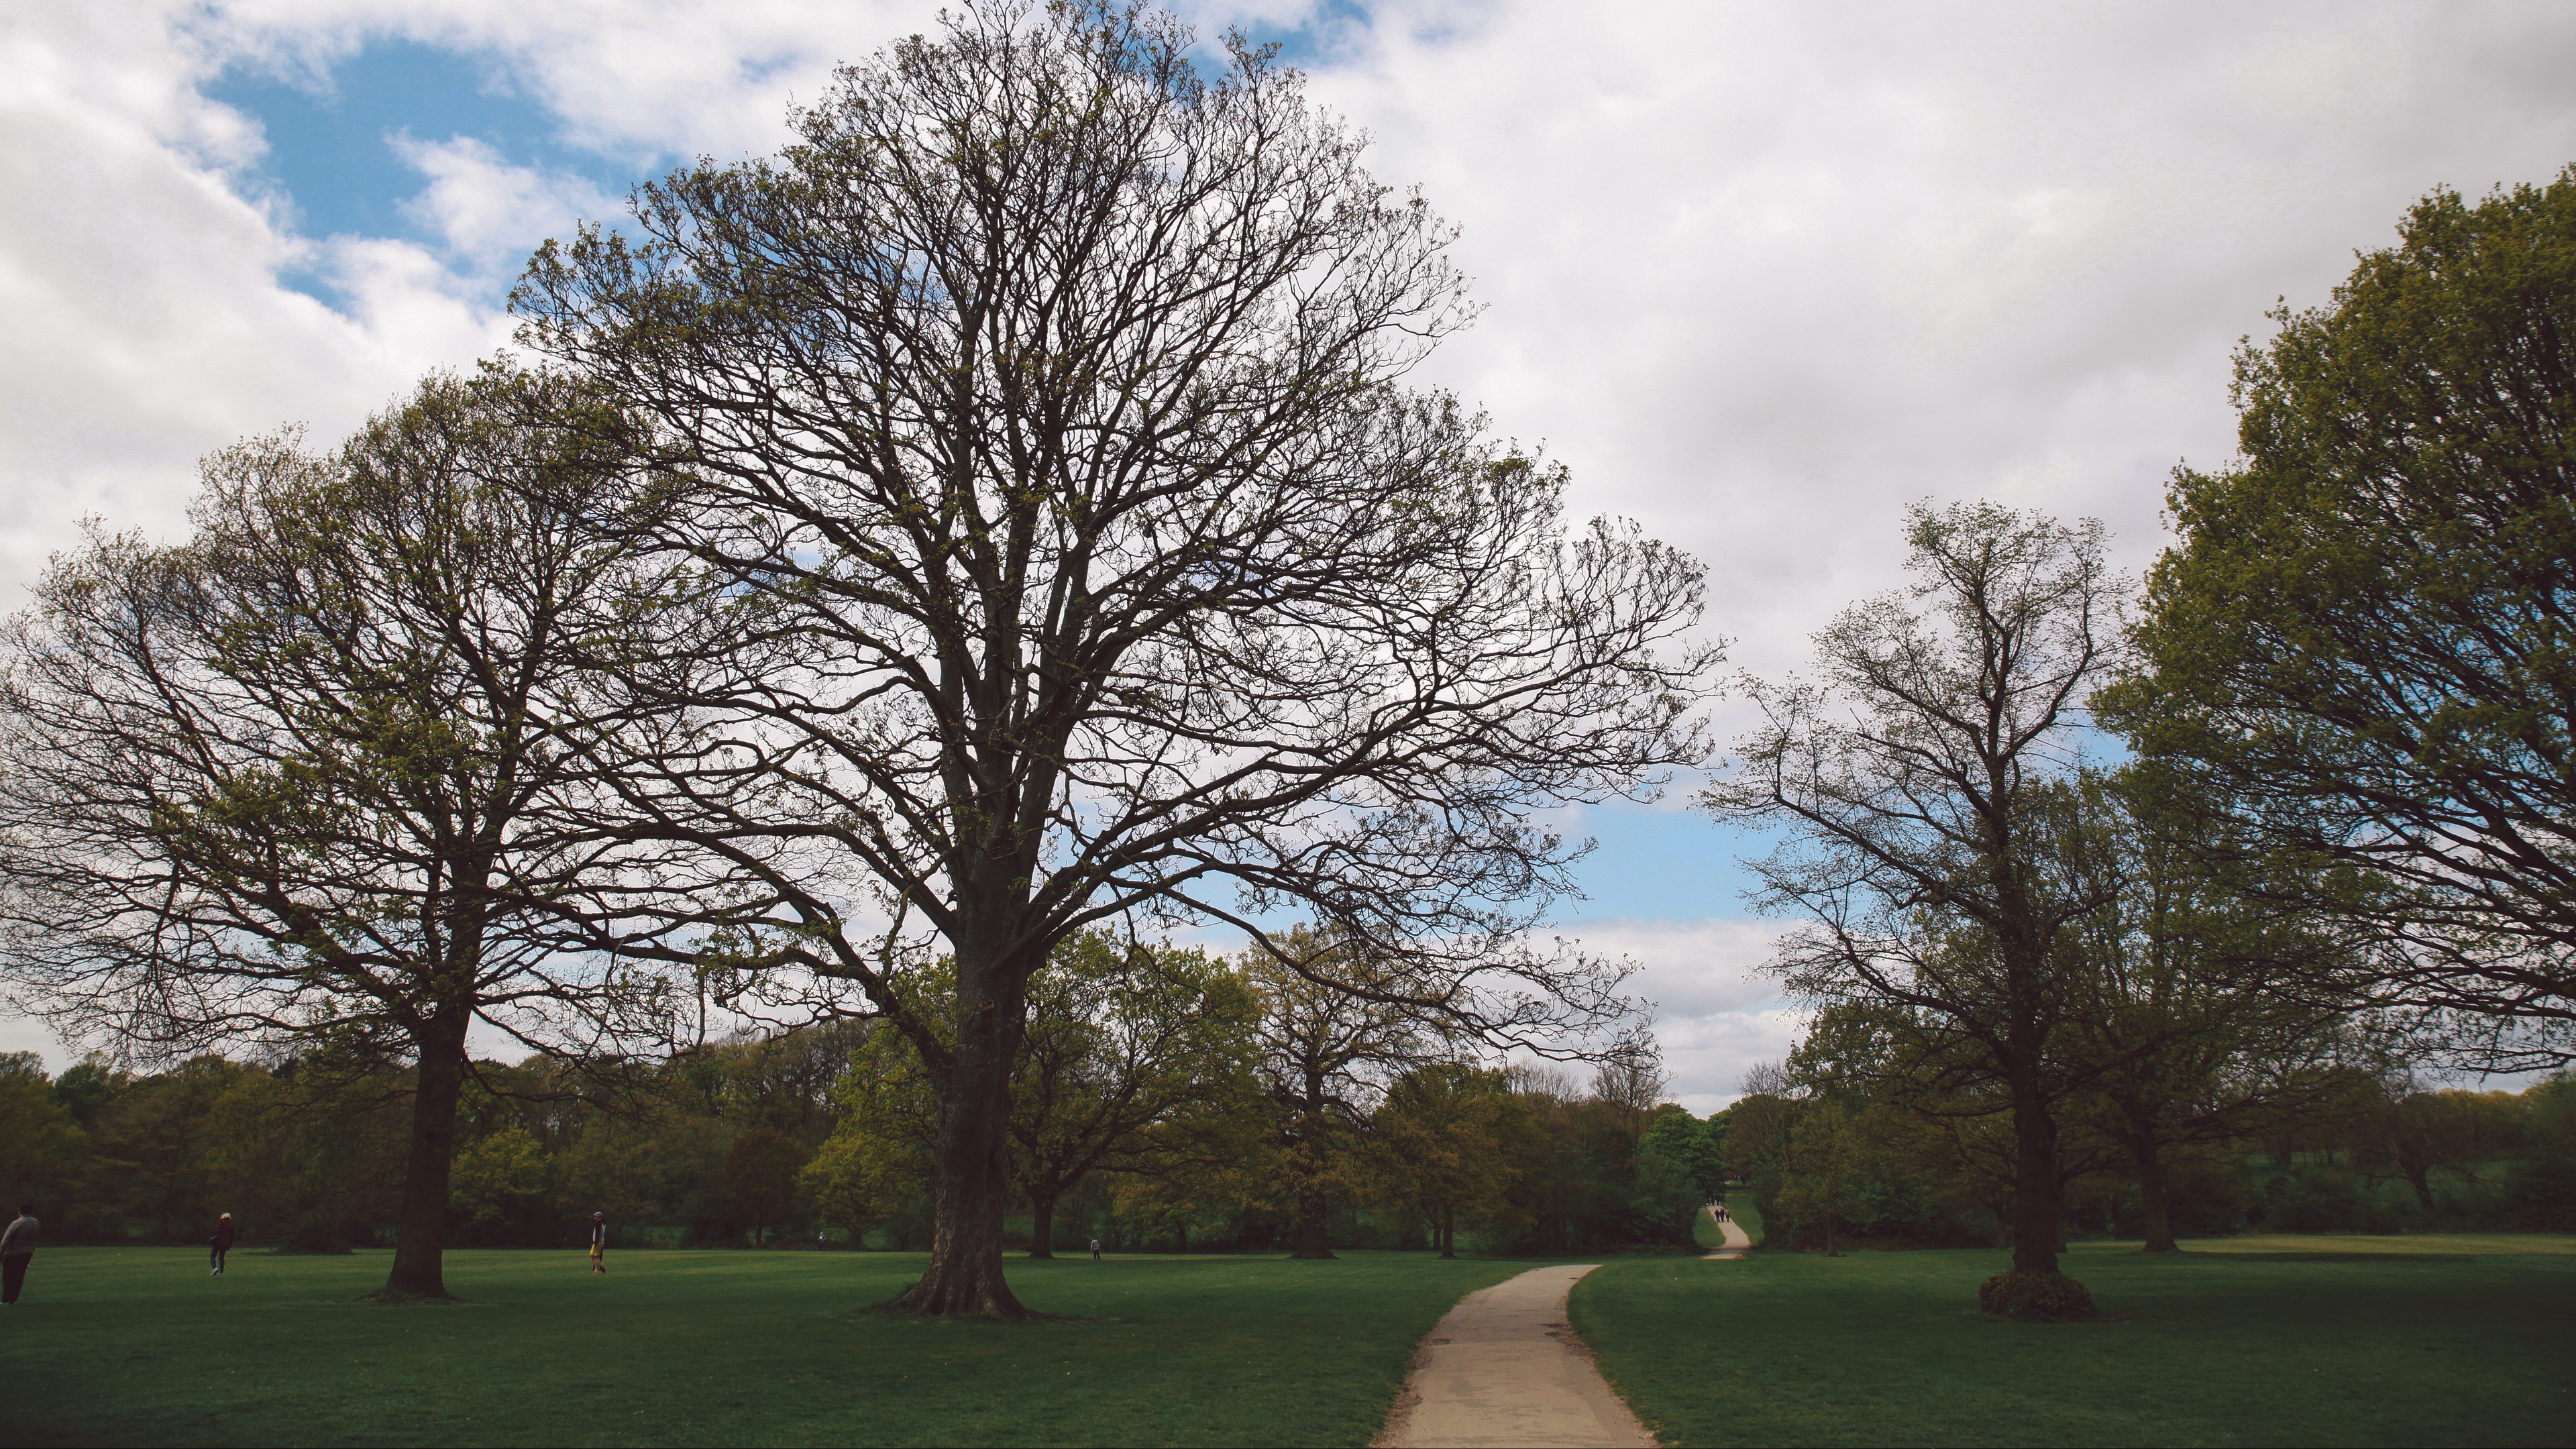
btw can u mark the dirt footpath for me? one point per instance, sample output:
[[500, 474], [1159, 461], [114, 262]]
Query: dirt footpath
[[1738, 1241], [1504, 1371]]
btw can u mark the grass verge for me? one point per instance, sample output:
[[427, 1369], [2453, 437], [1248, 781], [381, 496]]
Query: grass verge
[[139, 1346], [2364, 1341]]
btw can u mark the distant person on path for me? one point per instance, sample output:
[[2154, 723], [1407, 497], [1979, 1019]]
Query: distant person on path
[[598, 1243], [221, 1243], [17, 1248], [1095, 1250]]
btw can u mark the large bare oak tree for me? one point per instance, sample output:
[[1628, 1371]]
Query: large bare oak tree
[[1082, 552]]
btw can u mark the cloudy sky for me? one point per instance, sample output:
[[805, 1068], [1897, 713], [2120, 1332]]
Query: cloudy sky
[[1760, 273]]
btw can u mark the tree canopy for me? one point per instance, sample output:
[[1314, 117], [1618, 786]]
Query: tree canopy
[[2365, 634]]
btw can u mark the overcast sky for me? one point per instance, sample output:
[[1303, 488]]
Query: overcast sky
[[1761, 274]]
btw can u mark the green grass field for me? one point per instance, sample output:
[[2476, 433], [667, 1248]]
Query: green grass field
[[2306, 1340], [139, 1346]]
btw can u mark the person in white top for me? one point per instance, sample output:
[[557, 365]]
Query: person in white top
[[17, 1250]]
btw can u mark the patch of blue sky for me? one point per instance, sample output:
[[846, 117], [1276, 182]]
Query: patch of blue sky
[[334, 143], [1312, 42], [1651, 864]]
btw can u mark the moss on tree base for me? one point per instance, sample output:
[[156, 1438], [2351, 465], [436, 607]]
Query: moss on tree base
[[2035, 1298]]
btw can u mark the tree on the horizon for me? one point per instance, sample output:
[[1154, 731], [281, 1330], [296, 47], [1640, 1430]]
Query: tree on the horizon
[[1079, 554]]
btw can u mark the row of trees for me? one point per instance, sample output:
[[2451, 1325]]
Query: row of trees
[[1160, 1095], [1001, 515], [1827, 1166], [2332, 828]]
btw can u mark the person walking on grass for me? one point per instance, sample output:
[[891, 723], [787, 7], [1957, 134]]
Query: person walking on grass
[[598, 1243], [1095, 1250], [221, 1243], [17, 1249]]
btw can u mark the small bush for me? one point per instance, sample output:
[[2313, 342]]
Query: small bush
[[2035, 1297]]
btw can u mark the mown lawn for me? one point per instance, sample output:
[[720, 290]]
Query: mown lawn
[[2292, 1340], [140, 1347]]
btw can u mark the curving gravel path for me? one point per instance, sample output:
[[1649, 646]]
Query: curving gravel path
[[1504, 1371]]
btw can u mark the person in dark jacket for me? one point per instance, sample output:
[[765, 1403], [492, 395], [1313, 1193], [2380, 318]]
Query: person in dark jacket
[[17, 1249], [221, 1242]]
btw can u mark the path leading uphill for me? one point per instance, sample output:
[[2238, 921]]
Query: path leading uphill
[[1504, 1371], [1738, 1241]]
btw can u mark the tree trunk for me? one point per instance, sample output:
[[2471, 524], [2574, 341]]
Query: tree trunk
[[972, 1181], [1448, 1231], [2036, 1197], [1185, 1237], [420, 1234], [2421, 1179], [1312, 1240], [2153, 1196], [1042, 1224]]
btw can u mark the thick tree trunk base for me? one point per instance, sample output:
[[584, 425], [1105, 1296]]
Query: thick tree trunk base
[[1314, 1254], [397, 1296], [945, 1292], [2035, 1298]]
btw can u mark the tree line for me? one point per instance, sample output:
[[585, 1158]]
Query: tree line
[[1163, 1098]]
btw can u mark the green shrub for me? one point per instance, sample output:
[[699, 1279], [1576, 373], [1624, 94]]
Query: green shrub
[[2035, 1297]]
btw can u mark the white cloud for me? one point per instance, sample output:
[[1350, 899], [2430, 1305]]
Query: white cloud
[[147, 321], [1765, 273], [1717, 1012], [489, 212]]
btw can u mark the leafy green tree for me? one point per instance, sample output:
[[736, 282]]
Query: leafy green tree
[[2190, 1038], [87, 1086], [1448, 1140], [42, 1147], [858, 1178], [1137, 1058], [2455, 1131], [324, 776], [2365, 635], [760, 1179], [1824, 1151], [503, 1181], [307, 1157], [157, 1139], [1079, 550], [1326, 1055], [1689, 1148]]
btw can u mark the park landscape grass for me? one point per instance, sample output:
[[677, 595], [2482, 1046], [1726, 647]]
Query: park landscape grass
[[2294, 1341], [2420, 1340], [139, 1346]]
